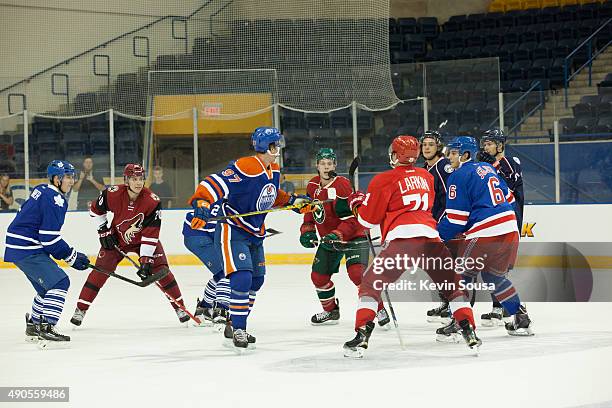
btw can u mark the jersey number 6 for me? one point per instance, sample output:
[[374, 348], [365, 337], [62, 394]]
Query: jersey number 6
[[497, 195]]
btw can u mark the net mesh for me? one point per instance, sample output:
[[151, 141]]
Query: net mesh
[[326, 55]]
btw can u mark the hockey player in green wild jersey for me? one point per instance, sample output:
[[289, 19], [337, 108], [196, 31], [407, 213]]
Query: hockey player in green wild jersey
[[341, 236]]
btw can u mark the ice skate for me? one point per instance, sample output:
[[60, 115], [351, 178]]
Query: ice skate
[[327, 318], [440, 314], [205, 314], [494, 318], [48, 337], [449, 333], [356, 348], [383, 319], [31, 332], [182, 315], [521, 325], [469, 335], [220, 318], [228, 335], [78, 316]]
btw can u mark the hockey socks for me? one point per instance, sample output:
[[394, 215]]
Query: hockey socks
[[256, 283], [240, 283], [169, 285], [53, 302], [37, 309], [504, 292], [366, 311], [210, 293], [326, 291], [222, 293]]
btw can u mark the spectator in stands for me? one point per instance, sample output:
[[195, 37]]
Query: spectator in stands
[[88, 186], [6, 195], [162, 188], [286, 185]]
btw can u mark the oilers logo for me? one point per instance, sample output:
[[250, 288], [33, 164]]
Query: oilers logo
[[266, 197]]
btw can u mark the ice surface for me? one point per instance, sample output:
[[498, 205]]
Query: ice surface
[[131, 351]]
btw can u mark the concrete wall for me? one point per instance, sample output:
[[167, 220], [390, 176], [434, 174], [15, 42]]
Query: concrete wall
[[442, 9]]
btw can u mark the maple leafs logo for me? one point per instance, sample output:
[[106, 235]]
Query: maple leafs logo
[[129, 228]]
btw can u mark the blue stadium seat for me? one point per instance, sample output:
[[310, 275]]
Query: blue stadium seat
[[539, 69], [454, 23], [548, 15], [584, 125], [491, 20], [472, 22], [429, 27], [543, 50], [566, 125], [407, 25], [524, 51]]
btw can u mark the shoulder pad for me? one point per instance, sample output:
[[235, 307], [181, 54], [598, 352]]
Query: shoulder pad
[[448, 168], [517, 160], [249, 166]]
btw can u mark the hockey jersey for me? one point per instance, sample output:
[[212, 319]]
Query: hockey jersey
[[136, 223], [400, 201], [207, 229], [510, 170], [478, 203], [246, 185], [332, 215], [441, 170], [36, 227]]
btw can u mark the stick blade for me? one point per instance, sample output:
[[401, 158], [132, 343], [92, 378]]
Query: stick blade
[[354, 165], [154, 278]]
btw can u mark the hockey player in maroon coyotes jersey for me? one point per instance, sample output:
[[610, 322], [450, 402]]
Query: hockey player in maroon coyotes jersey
[[134, 228], [400, 201]]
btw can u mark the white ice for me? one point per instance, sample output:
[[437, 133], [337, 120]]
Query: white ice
[[131, 351]]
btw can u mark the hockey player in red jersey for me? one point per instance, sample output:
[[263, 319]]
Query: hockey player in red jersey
[[134, 228], [400, 201], [334, 222]]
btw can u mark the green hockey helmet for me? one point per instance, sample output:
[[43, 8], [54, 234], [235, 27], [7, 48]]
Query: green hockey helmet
[[326, 153]]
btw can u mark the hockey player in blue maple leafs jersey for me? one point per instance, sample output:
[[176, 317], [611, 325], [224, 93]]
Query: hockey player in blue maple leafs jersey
[[249, 184], [32, 237], [479, 213]]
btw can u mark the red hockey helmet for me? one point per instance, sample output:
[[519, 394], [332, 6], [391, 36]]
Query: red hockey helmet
[[406, 149], [133, 170]]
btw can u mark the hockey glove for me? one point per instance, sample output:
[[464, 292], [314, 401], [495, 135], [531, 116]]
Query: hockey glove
[[355, 200], [77, 260], [146, 267], [309, 239], [201, 213], [485, 157], [328, 241], [299, 200], [108, 239]]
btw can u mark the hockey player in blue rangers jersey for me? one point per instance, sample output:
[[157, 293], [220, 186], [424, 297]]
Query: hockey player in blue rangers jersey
[[35, 234], [440, 168], [250, 184], [213, 308], [478, 207], [493, 143]]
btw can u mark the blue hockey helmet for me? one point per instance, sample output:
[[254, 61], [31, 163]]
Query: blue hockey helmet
[[59, 168], [495, 134], [264, 136], [464, 144]]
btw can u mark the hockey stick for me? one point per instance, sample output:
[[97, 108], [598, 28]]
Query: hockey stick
[[270, 232], [173, 300], [151, 279], [352, 169], [285, 208]]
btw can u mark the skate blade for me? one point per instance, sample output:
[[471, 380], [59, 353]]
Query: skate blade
[[453, 338], [386, 327], [433, 319], [356, 353], [475, 349], [31, 339], [203, 323], [218, 327], [229, 343], [521, 332], [327, 323], [53, 345]]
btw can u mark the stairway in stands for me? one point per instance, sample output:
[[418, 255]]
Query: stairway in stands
[[555, 106]]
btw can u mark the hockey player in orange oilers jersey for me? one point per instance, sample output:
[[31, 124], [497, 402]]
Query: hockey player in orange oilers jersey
[[400, 201], [334, 221]]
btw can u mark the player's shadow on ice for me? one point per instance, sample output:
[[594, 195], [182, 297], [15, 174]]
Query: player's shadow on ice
[[385, 354]]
